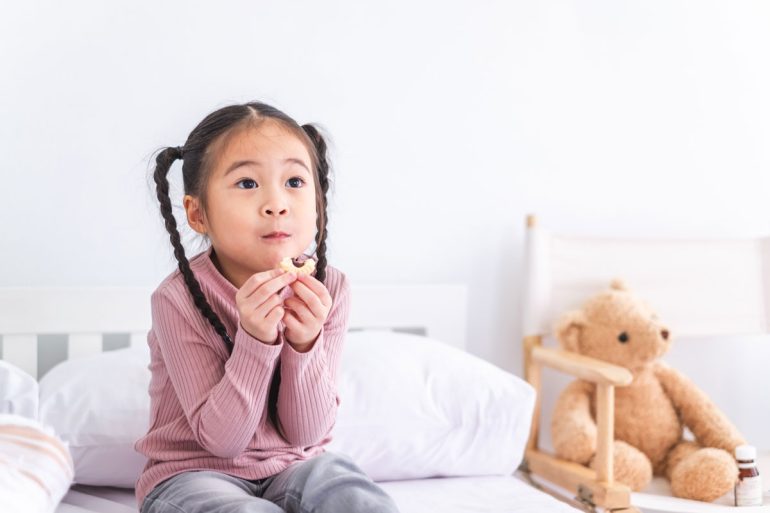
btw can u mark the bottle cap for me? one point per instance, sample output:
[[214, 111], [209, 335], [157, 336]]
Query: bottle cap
[[745, 452]]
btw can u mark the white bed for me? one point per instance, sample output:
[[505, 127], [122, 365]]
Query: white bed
[[488, 494], [34, 323]]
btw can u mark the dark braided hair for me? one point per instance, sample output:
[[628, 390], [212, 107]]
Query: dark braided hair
[[199, 153], [321, 188]]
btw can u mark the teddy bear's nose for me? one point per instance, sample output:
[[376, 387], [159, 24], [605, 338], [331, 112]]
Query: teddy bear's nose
[[664, 334]]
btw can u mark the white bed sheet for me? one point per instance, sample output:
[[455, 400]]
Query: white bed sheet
[[489, 494]]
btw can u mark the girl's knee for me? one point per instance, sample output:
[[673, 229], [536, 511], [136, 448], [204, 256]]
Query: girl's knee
[[368, 498], [335, 484]]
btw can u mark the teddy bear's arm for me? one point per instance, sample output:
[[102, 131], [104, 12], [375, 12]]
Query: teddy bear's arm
[[710, 426], [573, 429]]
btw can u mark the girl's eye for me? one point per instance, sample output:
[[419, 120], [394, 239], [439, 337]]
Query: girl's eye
[[248, 184], [295, 182]]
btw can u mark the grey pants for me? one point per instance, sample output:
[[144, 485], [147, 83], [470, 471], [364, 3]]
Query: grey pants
[[327, 483]]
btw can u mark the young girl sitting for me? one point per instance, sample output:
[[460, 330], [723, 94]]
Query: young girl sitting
[[245, 355]]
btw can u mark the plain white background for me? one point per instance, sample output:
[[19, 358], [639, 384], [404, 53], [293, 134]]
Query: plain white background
[[449, 121]]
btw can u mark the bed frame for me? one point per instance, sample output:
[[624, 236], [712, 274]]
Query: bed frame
[[40, 327]]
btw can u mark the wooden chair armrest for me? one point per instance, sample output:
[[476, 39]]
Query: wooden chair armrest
[[583, 367]]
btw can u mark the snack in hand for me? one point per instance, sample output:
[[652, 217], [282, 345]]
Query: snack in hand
[[307, 268]]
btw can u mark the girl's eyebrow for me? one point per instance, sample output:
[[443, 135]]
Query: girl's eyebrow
[[239, 163]]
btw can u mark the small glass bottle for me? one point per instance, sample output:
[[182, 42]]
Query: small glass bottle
[[748, 489]]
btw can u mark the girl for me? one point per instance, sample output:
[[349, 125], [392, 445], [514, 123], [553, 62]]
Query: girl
[[245, 356]]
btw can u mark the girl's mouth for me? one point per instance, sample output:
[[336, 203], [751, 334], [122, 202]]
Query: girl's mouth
[[276, 236]]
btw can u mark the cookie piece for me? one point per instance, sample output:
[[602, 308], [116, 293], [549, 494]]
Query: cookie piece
[[307, 268]]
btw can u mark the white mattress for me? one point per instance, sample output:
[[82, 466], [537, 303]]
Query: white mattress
[[496, 494]]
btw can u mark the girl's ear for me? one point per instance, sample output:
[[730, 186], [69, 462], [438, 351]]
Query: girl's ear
[[569, 329], [194, 213]]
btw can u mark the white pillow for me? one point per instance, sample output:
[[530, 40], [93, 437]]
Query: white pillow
[[19, 392], [411, 407], [100, 405]]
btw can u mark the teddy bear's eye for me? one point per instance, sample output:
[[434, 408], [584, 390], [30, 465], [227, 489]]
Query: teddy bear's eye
[[623, 337]]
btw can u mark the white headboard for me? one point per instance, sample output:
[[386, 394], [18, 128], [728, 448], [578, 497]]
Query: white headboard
[[40, 327]]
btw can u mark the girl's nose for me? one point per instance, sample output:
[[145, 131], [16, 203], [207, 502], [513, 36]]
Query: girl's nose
[[270, 211], [273, 210], [275, 204]]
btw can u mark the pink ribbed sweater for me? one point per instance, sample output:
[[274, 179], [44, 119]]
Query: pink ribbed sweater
[[209, 410]]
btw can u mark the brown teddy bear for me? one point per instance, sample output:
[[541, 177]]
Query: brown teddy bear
[[650, 413]]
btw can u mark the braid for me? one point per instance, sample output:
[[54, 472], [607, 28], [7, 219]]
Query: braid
[[323, 182], [163, 163]]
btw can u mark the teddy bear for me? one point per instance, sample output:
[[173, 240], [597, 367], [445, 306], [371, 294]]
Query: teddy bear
[[651, 413]]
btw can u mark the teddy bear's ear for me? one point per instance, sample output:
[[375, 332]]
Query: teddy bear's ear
[[568, 330], [618, 284]]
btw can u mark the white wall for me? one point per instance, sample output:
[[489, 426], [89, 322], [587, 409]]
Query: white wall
[[450, 121]]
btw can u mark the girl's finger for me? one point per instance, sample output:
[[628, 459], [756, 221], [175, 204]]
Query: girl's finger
[[318, 288], [263, 310], [309, 297], [300, 309], [256, 301], [291, 322], [275, 314], [269, 287], [254, 281]]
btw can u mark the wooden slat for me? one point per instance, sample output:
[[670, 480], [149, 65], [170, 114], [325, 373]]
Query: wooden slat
[[138, 339], [572, 476], [582, 367], [532, 372], [84, 344], [605, 418], [21, 351]]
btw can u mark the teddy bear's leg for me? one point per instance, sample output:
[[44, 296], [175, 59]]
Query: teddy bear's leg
[[675, 455], [700, 473], [573, 429], [631, 466]]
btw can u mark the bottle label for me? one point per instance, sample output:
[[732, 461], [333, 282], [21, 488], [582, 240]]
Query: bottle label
[[748, 491]]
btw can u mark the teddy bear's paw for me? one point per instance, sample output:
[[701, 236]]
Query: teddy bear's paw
[[578, 446], [631, 466], [573, 436], [704, 475]]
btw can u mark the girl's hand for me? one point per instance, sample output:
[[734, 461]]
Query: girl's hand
[[260, 307], [306, 312]]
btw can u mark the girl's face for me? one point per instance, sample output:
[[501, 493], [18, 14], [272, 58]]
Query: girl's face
[[261, 204]]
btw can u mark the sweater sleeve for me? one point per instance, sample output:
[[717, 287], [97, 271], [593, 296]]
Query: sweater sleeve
[[307, 396], [223, 398]]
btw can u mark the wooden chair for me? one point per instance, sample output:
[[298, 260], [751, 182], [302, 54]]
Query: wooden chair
[[701, 288]]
